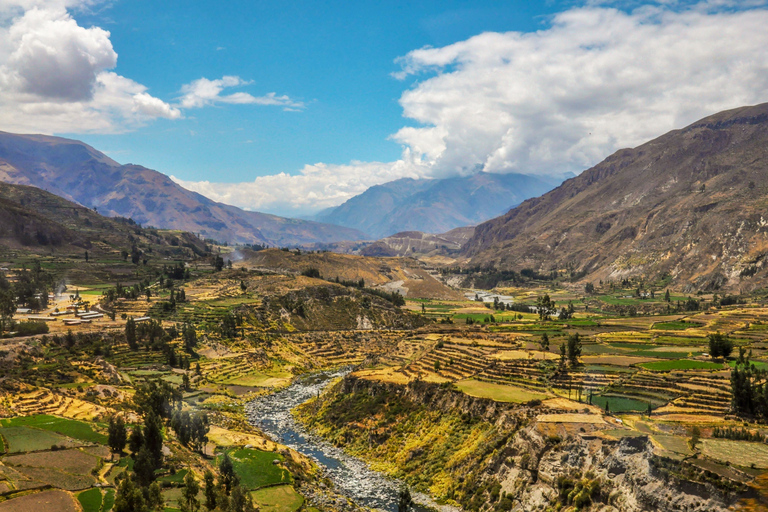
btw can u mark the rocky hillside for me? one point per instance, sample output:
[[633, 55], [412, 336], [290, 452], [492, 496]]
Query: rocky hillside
[[434, 206], [80, 173], [489, 456], [690, 204], [417, 244]]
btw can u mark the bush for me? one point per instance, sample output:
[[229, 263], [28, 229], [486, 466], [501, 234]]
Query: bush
[[30, 328]]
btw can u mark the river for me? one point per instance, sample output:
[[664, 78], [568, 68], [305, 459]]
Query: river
[[351, 476]]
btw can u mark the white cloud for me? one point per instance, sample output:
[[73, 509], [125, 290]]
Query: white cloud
[[55, 75], [556, 100], [204, 92], [316, 187], [598, 79]]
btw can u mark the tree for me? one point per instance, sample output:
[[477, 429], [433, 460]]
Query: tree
[[227, 477], [695, 437], [189, 336], [130, 334], [117, 434], [209, 490], [563, 354], [666, 296], [544, 342], [574, 348], [155, 499], [545, 307], [153, 439], [144, 467], [720, 345], [404, 500], [136, 441], [189, 499], [129, 498], [218, 263], [589, 288], [86, 256], [240, 501]]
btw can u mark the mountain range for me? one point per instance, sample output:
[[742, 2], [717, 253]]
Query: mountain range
[[78, 172], [690, 205], [435, 205]]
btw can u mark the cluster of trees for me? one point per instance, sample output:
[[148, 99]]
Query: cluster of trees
[[178, 271], [739, 434], [545, 307], [126, 292], [749, 388], [570, 350], [191, 429], [30, 290], [720, 345]]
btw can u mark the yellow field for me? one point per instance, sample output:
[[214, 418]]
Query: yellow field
[[499, 392], [510, 355]]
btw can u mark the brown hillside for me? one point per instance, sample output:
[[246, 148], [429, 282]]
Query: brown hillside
[[691, 203], [407, 276]]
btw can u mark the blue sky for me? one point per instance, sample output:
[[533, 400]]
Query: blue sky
[[336, 57], [292, 107]]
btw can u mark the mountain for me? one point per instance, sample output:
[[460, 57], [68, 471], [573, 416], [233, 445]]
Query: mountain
[[434, 206], [33, 221], [80, 173], [690, 204]]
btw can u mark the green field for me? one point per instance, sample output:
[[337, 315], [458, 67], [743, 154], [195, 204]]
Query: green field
[[281, 498], [255, 468], [673, 326], [70, 428], [24, 439], [739, 453], [109, 500], [619, 403], [680, 364], [90, 500], [499, 392]]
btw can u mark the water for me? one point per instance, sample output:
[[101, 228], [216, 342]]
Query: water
[[351, 476]]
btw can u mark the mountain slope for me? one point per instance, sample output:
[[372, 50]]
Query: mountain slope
[[434, 206], [691, 203], [79, 173], [36, 221]]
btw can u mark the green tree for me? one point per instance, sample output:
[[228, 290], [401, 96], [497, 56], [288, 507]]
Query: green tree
[[130, 334], [117, 434], [155, 499], [144, 467], [589, 288], [666, 296], [720, 345], [227, 476], [695, 438], [189, 501], [209, 490], [153, 439], [240, 500], [136, 440], [544, 342], [574, 348], [129, 498], [545, 307]]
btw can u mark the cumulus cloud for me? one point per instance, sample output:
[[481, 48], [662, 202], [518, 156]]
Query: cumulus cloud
[[598, 79], [558, 100], [203, 92], [55, 76]]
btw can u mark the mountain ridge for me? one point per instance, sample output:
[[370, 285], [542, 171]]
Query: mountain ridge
[[434, 205], [80, 173]]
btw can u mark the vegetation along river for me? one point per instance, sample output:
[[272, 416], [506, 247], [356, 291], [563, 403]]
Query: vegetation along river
[[352, 476]]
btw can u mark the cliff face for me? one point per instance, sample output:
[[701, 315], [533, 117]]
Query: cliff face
[[491, 456]]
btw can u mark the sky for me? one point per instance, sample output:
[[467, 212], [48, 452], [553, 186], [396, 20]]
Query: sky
[[292, 107]]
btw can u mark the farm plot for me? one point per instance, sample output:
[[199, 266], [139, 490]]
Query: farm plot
[[90, 500], [25, 439], [618, 403], [681, 364], [70, 428], [738, 453], [499, 392], [256, 469], [54, 500], [281, 498], [64, 469]]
